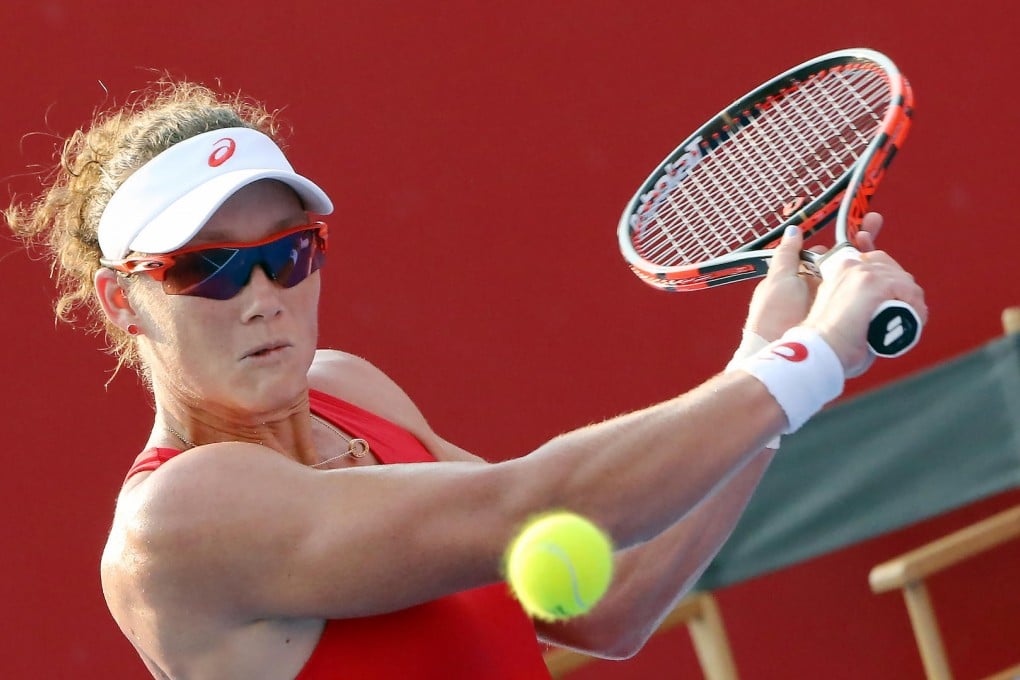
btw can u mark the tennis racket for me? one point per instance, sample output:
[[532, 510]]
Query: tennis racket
[[808, 146]]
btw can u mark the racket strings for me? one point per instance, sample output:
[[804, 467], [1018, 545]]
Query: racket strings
[[781, 129], [790, 149], [777, 138]]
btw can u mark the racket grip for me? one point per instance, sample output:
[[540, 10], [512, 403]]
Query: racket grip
[[895, 326]]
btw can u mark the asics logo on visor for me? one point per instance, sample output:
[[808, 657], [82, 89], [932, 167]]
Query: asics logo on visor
[[222, 152]]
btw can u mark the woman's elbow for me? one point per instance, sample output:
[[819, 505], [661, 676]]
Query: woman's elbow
[[614, 645], [627, 645]]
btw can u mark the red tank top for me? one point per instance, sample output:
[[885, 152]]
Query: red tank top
[[479, 633]]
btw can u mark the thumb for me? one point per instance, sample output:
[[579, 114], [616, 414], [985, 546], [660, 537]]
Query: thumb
[[786, 260]]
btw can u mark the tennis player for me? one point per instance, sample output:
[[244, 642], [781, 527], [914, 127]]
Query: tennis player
[[292, 514]]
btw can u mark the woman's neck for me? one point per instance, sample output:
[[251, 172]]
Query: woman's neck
[[188, 421]]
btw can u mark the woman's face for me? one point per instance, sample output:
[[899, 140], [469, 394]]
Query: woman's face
[[251, 353]]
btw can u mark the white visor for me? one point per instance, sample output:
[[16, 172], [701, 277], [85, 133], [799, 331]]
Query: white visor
[[164, 203]]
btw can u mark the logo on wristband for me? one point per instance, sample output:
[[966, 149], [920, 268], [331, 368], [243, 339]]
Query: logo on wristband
[[791, 351]]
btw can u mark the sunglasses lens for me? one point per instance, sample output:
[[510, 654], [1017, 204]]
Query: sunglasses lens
[[221, 273], [216, 273], [290, 260]]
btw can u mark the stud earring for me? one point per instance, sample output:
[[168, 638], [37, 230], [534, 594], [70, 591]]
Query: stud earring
[[132, 329]]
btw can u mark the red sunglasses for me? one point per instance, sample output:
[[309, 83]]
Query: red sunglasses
[[220, 271]]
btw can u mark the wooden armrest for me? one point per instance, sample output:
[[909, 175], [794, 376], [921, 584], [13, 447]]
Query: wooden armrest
[[946, 551], [1008, 674], [1011, 320]]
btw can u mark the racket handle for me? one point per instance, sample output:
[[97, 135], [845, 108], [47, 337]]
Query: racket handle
[[895, 326]]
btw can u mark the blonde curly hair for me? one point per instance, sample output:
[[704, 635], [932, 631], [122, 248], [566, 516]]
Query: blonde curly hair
[[95, 160]]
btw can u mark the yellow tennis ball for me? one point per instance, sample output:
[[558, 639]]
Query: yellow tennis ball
[[559, 566]]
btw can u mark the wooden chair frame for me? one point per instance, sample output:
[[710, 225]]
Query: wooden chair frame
[[908, 571]]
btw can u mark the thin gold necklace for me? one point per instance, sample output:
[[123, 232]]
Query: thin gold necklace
[[187, 442], [356, 448]]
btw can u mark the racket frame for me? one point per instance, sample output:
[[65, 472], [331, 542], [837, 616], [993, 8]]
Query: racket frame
[[751, 260]]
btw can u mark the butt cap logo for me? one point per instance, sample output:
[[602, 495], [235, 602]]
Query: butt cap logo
[[223, 149]]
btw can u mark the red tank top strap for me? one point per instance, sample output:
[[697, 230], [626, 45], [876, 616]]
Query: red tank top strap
[[150, 459], [390, 442]]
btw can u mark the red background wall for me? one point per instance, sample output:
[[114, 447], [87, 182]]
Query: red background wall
[[480, 158]]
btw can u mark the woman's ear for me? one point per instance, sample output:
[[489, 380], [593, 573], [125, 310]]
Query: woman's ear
[[114, 300]]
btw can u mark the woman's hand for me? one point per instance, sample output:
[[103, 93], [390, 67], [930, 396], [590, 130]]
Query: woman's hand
[[846, 302], [783, 298]]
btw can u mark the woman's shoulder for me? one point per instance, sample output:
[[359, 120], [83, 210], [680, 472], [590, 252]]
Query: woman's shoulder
[[329, 361], [166, 517], [172, 493], [351, 377], [358, 381]]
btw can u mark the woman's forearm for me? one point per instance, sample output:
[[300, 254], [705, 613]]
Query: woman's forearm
[[638, 474]]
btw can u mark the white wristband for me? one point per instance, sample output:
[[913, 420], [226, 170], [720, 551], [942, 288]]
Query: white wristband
[[750, 343], [800, 371]]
